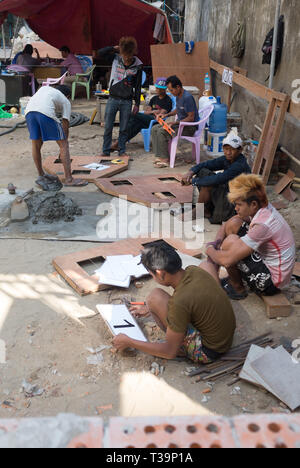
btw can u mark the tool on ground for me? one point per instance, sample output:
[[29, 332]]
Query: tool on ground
[[165, 126], [11, 189], [19, 210], [118, 161]]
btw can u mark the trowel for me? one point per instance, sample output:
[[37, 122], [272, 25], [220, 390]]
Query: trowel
[[19, 210]]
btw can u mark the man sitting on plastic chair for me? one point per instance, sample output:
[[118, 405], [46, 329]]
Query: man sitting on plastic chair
[[186, 111], [70, 64], [159, 105]]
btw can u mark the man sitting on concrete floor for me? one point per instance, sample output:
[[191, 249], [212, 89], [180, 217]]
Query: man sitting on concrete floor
[[186, 111], [160, 104], [44, 125], [71, 64], [213, 187], [257, 246], [198, 319]]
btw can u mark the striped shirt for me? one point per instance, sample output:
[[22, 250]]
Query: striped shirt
[[272, 238]]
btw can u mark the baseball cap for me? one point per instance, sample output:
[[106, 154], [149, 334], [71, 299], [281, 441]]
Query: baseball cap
[[161, 83], [233, 140]]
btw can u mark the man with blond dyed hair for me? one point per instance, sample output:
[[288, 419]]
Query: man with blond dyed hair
[[256, 247]]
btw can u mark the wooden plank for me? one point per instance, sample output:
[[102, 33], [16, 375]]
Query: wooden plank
[[53, 166], [149, 190], [171, 59], [297, 269], [253, 87], [70, 266], [277, 306], [286, 181]]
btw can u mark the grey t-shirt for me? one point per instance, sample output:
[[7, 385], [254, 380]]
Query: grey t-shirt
[[186, 104]]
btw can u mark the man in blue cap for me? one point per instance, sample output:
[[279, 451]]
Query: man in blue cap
[[159, 104]]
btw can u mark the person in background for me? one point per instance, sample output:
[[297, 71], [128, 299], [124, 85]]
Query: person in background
[[198, 319], [257, 247], [214, 187], [186, 111], [44, 125], [70, 64], [124, 87], [25, 59], [159, 105]]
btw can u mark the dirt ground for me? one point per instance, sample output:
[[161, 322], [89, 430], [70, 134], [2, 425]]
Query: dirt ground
[[47, 327]]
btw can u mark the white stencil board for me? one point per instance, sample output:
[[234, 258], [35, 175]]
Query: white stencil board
[[119, 320]]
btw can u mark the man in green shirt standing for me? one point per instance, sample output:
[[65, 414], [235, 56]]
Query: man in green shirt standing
[[198, 319]]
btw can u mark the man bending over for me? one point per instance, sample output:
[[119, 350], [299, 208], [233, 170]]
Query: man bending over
[[198, 319], [257, 246]]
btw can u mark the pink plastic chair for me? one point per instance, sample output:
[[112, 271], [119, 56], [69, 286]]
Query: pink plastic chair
[[54, 81], [204, 115], [21, 69]]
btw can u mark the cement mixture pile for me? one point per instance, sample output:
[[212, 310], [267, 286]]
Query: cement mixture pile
[[52, 207]]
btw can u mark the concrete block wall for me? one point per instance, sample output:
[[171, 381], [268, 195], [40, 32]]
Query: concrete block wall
[[70, 431]]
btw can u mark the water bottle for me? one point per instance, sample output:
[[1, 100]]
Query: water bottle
[[217, 129], [206, 84]]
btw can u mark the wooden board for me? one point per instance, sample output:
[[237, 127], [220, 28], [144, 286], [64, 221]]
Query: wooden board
[[149, 190], [296, 271], [70, 267], [171, 59], [119, 320], [53, 166], [277, 306]]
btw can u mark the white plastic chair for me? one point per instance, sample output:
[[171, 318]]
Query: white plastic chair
[[55, 81], [204, 115]]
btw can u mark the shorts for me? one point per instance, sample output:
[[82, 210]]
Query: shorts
[[254, 272], [195, 350], [43, 128]]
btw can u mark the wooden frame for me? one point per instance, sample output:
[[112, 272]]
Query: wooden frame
[[149, 190], [278, 107], [69, 266], [53, 166]]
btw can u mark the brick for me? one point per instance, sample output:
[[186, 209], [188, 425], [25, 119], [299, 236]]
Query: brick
[[277, 306]]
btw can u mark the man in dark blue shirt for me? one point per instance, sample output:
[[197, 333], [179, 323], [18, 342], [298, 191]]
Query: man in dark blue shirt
[[214, 187]]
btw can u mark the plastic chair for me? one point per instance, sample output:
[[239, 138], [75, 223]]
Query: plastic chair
[[204, 115], [54, 81], [21, 69], [81, 76], [146, 132]]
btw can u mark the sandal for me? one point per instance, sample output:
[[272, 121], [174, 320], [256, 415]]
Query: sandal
[[161, 164], [231, 292], [77, 183]]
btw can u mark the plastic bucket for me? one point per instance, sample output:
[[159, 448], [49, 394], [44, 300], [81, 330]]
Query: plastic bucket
[[215, 144], [23, 104]]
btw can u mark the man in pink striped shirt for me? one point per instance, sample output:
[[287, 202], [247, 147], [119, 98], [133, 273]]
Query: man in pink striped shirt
[[71, 64], [257, 247]]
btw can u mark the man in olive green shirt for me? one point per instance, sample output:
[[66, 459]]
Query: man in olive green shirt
[[198, 319]]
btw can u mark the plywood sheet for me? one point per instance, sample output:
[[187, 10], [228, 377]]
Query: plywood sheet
[[70, 267], [54, 166], [149, 190], [171, 59], [282, 375]]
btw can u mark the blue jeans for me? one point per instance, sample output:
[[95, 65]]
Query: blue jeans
[[113, 106]]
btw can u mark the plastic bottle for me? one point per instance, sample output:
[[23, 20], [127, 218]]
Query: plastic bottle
[[207, 83], [218, 119], [217, 129]]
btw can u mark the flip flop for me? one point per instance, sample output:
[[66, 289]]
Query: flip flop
[[50, 177], [77, 183], [231, 292], [161, 165]]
